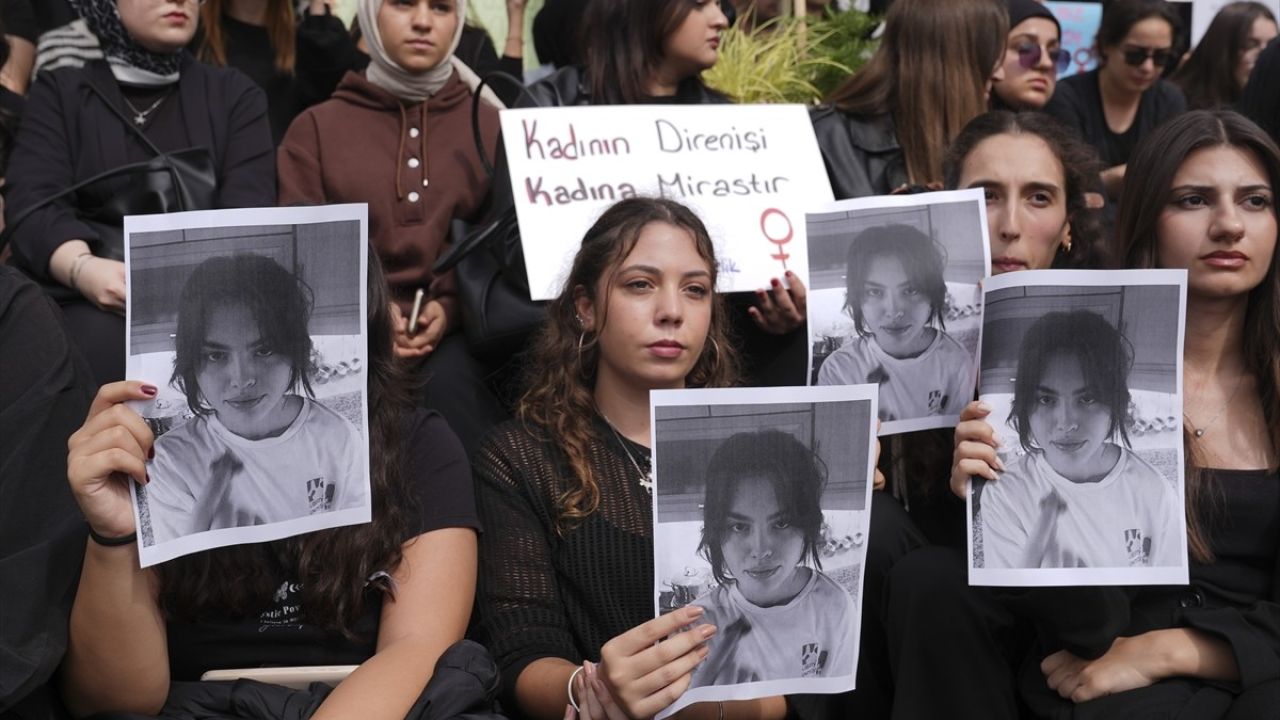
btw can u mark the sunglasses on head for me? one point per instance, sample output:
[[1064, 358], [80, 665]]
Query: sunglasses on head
[[1029, 55], [1135, 56]]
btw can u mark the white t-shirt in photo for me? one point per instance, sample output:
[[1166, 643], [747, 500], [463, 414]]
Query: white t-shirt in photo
[[810, 636], [938, 381], [1130, 518], [316, 465]]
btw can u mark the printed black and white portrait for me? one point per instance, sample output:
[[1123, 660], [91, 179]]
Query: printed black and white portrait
[[1082, 371], [761, 515], [252, 325], [894, 301]]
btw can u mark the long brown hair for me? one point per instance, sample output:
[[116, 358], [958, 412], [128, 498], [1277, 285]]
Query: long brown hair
[[930, 72], [1080, 168], [558, 404], [281, 28], [1157, 160], [332, 566], [622, 44], [1208, 77]]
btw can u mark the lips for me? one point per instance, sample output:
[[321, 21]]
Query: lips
[[1008, 264], [763, 573], [896, 329], [1225, 259], [245, 403], [1069, 446], [666, 348]]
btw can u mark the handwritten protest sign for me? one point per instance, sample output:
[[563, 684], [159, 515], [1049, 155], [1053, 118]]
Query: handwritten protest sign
[[1080, 22], [747, 170]]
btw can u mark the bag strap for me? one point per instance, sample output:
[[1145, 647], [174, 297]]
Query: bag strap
[[475, 111], [121, 170], [163, 156]]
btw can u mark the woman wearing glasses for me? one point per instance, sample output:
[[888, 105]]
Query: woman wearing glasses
[[1114, 106], [1032, 59]]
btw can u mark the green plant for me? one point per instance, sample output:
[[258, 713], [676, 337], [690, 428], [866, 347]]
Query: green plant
[[789, 61]]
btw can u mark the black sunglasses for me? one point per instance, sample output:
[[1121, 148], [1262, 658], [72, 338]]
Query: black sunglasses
[[1029, 55], [1135, 56]]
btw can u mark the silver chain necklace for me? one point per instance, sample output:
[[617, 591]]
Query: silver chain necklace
[[140, 116], [646, 478], [1200, 431]]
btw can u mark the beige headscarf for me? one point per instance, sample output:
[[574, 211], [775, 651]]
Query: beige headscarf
[[414, 87]]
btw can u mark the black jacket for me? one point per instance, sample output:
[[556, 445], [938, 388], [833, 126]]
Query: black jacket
[[69, 134], [862, 154]]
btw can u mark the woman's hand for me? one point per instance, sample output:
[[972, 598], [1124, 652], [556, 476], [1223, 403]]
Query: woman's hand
[[110, 448], [975, 448], [432, 324], [640, 678], [877, 483], [1128, 665], [102, 283], [782, 309]]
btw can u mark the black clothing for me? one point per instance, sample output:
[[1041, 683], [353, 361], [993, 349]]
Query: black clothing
[[556, 30], [1260, 100], [20, 19], [955, 646], [475, 48], [280, 635], [462, 687], [570, 86], [51, 14], [546, 594], [45, 392], [862, 154], [69, 134], [1077, 101], [323, 54]]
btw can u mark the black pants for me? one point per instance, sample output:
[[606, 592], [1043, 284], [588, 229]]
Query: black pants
[[457, 389]]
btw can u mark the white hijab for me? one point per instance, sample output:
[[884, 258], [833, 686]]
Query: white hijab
[[413, 87]]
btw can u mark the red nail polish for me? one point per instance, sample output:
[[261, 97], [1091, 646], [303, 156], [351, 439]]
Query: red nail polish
[[151, 453], [776, 282], [149, 390]]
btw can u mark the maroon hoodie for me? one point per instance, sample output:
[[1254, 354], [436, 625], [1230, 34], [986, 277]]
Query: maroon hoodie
[[416, 166]]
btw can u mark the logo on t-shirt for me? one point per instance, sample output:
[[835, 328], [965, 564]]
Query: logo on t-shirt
[[813, 660], [319, 495], [1137, 547], [937, 400]]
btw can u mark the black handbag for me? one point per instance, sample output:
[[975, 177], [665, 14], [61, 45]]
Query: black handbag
[[498, 316], [179, 180]]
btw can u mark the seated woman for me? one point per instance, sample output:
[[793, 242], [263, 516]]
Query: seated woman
[[1032, 59], [390, 595], [889, 124], [1218, 69], [1079, 496], [1116, 105], [568, 583], [1208, 205], [146, 99], [260, 449], [416, 165], [1035, 174]]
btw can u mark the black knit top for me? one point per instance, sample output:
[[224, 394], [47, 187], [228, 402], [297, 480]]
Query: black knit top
[[547, 594]]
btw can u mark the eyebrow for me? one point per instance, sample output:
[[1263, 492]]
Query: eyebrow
[[1035, 37], [873, 283], [1050, 391], [1036, 185], [655, 271], [739, 516], [211, 345], [1211, 189]]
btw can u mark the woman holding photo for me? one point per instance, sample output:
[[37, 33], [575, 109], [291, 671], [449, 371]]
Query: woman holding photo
[[390, 596], [1213, 643], [1035, 175], [566, 586]]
